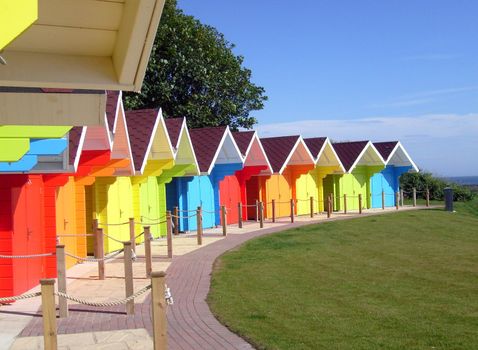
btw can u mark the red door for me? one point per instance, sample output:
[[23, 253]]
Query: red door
[[230, 196], [253, 195]]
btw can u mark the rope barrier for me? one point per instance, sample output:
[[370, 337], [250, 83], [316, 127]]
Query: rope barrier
[[108, 257], [26, 256], [151, 223], [142, 233], [104, 304], [20, 297], [145, 217], [113, 239]]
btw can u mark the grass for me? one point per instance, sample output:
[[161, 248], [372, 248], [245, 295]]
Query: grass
[[407, 280]]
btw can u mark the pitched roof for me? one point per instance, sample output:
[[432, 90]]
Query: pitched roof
[[348, 152], [111, 106], [74, 137], [206, 141], [174, 125], [385, 148], [278, 149], [315, 144], [243, 140], [140, 129]]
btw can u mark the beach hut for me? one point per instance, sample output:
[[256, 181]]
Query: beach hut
[[311, 184], [97, 45], [232, 189], [397, 162], [289, 158], [361, 161], [218, 156], [15, 18], [152, 154]]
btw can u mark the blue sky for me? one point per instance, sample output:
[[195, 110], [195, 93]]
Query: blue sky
[[354, 69]]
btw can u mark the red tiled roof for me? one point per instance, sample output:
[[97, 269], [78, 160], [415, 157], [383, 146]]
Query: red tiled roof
[[315, 144], [385, 148], [174, 125], [206, 142], [140, 129], [348, 152], [243, 140], [111, 105], [278, 149], [74, 137]]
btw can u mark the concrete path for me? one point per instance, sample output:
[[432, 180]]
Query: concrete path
[[191, 325]]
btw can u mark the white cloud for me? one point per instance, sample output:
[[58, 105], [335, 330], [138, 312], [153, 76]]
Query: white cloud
[[446, 144]]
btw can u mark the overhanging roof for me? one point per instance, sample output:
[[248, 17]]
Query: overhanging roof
[[87, 44]]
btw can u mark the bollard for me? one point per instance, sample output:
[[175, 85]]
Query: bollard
[[397, 200], [292, 210], [261, 215], [383, 200], [414, 197], [199, 225], [224, 220], [448, 191], [176, 220], [100, 248], [131, 234], [128, 276], [239, 209], [257, 210], [311, 207], [273, 204], [427, 197], [48, 313], [345, 203], [329, 206], [169, 234], [402, 198], [147, 251], [360, 203], [61, 273], [158, 306]]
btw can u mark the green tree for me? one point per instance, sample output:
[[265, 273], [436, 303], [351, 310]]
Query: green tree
[[193, 72]]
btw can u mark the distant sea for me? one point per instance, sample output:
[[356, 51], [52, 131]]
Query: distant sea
[[463, 180]]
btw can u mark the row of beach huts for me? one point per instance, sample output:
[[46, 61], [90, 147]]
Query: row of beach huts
[[57, 182]]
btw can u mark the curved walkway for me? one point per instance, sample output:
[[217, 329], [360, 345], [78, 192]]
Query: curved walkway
[[191, 325]]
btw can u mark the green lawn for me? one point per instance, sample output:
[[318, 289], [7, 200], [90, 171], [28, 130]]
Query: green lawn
[[406, 280]]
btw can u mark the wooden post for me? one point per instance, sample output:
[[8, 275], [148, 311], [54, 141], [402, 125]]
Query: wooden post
[[402, 198], [61, 273], [428, 197], [176, 220], [224, 220], [311, 207], [199, 225], [158, 305], [345, 203], [397, 200], [169, 234], [329, 206], [261, 215], [273, 210], [257, 210], [383, 200], [100, 249], [292, 210], [239, 209], [131, 234], [48, 313], [360, 203], [147, 251], [414, 197], [128, 276]]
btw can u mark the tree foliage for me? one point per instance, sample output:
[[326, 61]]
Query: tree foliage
[[423, 180], [193, 72]]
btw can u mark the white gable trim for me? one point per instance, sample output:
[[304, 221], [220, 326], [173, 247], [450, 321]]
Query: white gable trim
[[299, 141], [227, 133], [80, 148], [262, 150], [184, 129], [369, 144], [327, 142], [395, 149]]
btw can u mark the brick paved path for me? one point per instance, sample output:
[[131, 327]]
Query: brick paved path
[[191, 324]]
